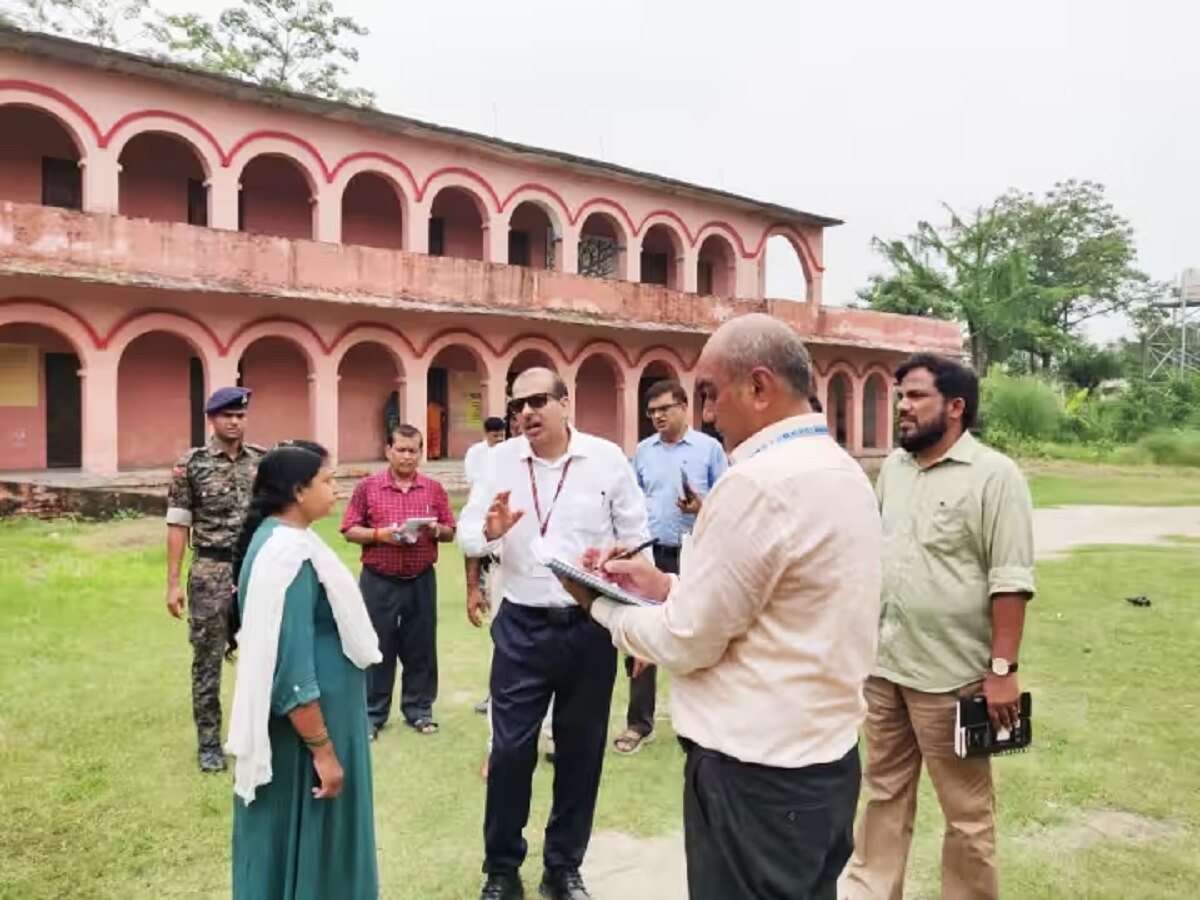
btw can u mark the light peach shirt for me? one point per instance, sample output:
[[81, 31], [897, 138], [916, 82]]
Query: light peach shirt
[[771, 626]]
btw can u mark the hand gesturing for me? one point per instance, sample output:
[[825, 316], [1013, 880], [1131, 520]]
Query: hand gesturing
[[500, 517]]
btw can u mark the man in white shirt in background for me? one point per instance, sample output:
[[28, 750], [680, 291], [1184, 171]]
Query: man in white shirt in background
[[493, 434], [770, 630], [551, 493]]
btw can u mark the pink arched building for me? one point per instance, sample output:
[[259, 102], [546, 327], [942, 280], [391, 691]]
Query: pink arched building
[[164, 231]]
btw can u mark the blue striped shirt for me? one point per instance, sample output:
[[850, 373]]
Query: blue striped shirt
[[660, 466]]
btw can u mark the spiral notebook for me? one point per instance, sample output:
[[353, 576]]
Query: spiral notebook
[[597, 584], [975, 736]]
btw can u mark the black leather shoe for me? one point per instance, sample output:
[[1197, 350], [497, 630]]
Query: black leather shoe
[[503, 886], [563, 884], [212, 760]]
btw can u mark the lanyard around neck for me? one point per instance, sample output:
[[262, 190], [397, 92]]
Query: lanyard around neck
[[794, 434], [544, 523]]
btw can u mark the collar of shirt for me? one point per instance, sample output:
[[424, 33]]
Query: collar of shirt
[[766, 436], [575, 448], [389, 479], [965, 450], [686, 438], [215, 449]]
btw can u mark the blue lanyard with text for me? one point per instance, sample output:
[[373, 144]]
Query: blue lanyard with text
[[794, 434]]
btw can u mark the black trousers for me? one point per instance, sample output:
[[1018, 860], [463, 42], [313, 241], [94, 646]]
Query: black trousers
[[639, 716], [539, 653], [403, 612], [761, 833]]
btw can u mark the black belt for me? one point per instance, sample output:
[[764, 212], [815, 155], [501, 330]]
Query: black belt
[[555, 615], [218, 554]]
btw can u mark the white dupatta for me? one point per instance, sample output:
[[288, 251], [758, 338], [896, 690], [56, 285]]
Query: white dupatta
[[275, 567]]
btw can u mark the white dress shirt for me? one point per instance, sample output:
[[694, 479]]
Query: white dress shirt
[[770, 628], [473, 461], [599, 505]]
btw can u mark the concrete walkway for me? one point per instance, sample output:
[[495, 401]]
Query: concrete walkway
[[619, 865]]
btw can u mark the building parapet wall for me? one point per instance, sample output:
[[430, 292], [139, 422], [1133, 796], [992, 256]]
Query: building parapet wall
[[54, 242]]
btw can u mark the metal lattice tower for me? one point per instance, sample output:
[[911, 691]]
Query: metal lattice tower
[[1174, 347]]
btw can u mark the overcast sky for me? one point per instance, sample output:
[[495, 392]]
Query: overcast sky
[[869, 111]]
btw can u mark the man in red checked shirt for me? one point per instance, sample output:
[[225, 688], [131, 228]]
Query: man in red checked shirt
[[398, 580]]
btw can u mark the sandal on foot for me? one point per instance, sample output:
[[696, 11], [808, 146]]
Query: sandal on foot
[[424, 725], [631, 742]]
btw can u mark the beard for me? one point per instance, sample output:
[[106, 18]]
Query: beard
[[925, 436]]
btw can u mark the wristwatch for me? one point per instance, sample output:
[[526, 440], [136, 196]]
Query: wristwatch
[[1001, 666]]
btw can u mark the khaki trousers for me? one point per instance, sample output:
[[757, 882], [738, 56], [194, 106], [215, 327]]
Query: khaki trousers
[[903, 728]]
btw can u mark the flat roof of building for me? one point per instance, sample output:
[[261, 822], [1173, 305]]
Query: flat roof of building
[[59, 49]]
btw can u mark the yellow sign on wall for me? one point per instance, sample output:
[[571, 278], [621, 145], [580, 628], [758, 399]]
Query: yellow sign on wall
[[19, 375]]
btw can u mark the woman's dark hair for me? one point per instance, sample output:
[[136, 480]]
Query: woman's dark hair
[[281, 475]]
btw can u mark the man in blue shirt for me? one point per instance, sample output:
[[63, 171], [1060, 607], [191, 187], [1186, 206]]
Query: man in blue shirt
[[676, 468]]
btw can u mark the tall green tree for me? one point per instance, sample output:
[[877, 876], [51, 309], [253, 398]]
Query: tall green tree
[[966, 271], [1081, 256], [297, 45], [115, 23]]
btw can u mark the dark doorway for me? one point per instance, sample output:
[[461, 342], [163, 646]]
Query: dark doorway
[[64, 412], [437, 386], [196, 395]]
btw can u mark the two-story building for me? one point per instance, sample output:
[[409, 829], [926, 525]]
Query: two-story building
[[164, 231]]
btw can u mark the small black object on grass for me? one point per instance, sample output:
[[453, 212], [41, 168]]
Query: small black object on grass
[[1138, 601]]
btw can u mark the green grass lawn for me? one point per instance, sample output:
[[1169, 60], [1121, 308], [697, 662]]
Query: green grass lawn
[[1073, 484], [103, 798]]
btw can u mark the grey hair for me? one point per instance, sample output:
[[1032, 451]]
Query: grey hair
[[757, 339]]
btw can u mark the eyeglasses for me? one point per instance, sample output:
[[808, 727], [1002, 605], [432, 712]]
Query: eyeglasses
[[517, 405], [652, 411]]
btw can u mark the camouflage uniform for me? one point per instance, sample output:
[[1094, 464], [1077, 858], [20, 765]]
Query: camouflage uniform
[[209, 493]]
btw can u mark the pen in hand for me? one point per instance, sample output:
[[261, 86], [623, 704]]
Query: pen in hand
[[630, 554]]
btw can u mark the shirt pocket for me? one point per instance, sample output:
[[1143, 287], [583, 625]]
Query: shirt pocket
[[946, 526], [587, 514]]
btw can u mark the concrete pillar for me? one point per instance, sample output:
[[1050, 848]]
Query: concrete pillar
[[495, 239], [416, 228], [854, 416], [327, 215], [689, 260], [566, 253], [222, 372], [629, 261], [101, 179], [814, 289], [223, 192], [628, 399], [323, 404], [414, 401], [98, 389], [494, 387]]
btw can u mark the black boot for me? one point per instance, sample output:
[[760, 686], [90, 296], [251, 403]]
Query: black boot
[[212, 760]]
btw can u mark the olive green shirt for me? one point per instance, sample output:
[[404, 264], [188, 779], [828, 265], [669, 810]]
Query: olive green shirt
[[955, 534]]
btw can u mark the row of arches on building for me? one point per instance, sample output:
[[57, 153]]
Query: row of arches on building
[[138, 403], [164, 176]]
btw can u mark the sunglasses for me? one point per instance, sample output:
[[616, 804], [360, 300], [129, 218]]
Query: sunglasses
[[517, 405]]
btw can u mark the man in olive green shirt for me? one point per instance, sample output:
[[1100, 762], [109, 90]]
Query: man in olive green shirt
[[957, 573]]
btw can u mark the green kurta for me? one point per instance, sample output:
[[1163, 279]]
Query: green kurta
[[287, 845]]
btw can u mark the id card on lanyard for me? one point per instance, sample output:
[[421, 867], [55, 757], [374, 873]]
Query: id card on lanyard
[[544, 521]]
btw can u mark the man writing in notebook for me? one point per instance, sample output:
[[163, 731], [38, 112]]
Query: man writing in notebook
[[550, 493], [769, 629], [958, 571]]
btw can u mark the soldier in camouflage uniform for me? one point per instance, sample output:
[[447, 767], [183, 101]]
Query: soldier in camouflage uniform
[[209, 494]]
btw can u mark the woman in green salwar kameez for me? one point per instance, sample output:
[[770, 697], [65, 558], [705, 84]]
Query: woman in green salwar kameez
[[307, 831]]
